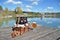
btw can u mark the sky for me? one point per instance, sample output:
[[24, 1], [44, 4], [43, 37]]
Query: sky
[[32, 5]]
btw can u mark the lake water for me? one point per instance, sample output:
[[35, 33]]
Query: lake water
[[47, 22]]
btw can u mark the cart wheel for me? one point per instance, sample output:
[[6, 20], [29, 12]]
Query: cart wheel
[[13, 35]]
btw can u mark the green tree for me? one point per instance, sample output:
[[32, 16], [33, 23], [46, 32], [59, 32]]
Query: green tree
[[6, 10], [18, 10], [1, 8]]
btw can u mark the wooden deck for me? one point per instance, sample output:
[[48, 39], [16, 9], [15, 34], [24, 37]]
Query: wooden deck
[[39, 33]]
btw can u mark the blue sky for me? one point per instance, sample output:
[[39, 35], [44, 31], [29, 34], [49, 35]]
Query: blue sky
[[32, 5]]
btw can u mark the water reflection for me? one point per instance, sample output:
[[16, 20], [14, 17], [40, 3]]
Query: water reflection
[[6, 22], [49, 22]]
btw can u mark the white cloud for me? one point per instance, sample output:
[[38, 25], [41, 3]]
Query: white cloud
[[35, 3], [50, 8], [18, 2], [45, 10], [28, 9], [14, 2], [27, 6], [33, 0]]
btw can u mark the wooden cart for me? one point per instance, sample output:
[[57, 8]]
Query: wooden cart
[[21, 26]]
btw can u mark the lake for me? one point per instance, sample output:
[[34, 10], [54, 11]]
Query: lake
[[46, 22]]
